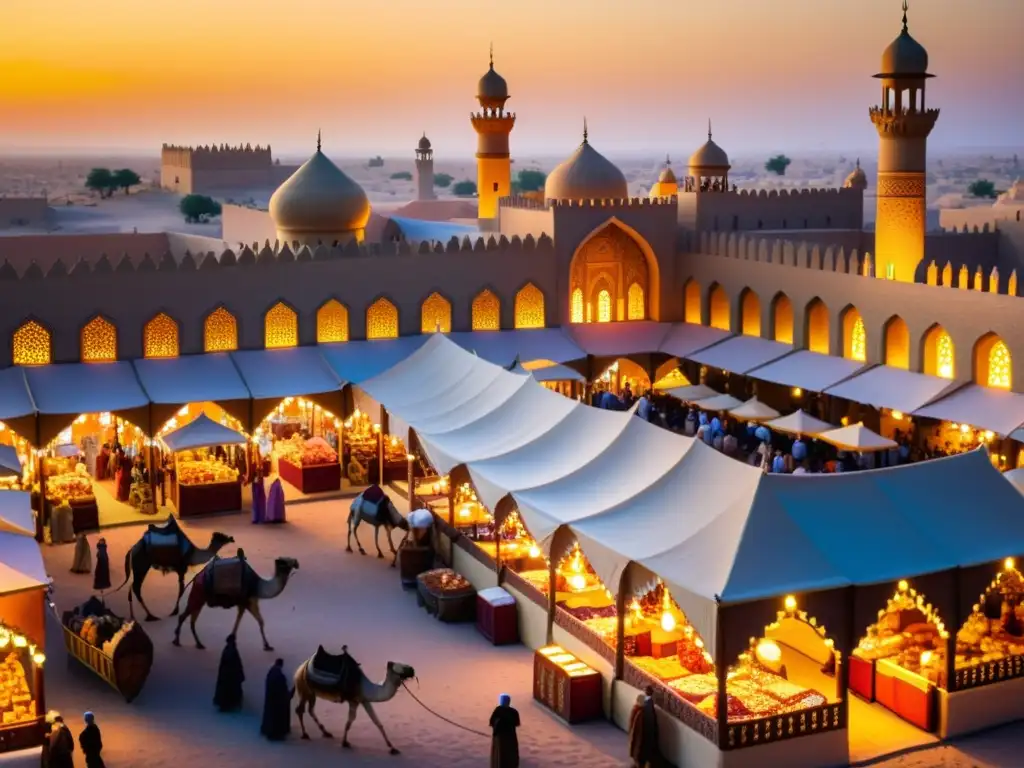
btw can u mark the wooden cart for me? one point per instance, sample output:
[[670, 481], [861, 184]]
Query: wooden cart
[[126, 671]]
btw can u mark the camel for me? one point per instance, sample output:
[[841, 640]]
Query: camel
[[244, 594], [167, 549], [373, 506], [311, 684]]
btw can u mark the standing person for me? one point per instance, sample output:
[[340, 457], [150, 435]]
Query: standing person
[[62, 746], [91, 742], [227, 696], [101, 576], [504, 741], [644, 746], [277, 713], [83, 555], [259, 498]]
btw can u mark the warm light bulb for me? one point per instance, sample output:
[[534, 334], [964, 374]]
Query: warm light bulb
[[1008, 564], [989, 434], [38, 658], [768, 652], [465, 510], [410, 457], [577, 581], [926, 656], [534, 551], [797, 391], [964, 429], [903, 586], [790, 603], [668, 621], [896, 415], [20, 642]]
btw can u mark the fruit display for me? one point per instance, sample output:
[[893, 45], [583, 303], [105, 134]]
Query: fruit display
[[444, 580], [16, 701], [205, 472], [907, 634], [69, 487], [995, 629], [305, 453]]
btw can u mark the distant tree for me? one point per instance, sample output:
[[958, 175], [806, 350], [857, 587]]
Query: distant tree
[[531, 180], [198, 208], [442, 180], [402, 175], [465, 188], [778, 165], [126, 178], [101, 180], [981, 188], [376, 162]]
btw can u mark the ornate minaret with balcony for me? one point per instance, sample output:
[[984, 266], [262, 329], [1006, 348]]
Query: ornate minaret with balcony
[[425, 170], [493, 126], [903, 126]]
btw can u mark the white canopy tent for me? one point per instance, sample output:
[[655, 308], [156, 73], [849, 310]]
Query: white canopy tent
[[1016, 478], [202, 432], [692, 393], [754, 410], [856, 437], [21, 562], [799, 423], [719, 403], [10, 464]]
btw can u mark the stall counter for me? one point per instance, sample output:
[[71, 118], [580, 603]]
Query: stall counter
[[315, 478]]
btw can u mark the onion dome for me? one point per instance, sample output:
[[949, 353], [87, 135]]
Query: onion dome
[[319, 199], [492, 90], [905, 57], [710, 155], [424, 144], [586, 175], [857, 178], [667, 176]]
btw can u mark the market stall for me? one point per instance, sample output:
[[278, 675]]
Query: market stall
[[202, 482], [309, 465], [68, 483]]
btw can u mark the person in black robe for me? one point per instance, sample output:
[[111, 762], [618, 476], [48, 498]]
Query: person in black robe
[[91, 742], [62, 745], [644, 746], [101, 574], [277, 712], [504, 740], [228, 694]]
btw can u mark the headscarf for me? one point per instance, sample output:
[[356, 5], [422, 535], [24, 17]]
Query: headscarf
[[504, 700]]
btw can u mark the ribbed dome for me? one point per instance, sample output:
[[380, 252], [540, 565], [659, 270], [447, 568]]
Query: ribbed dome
[[492, 86], [857, 179], [319, 199], [586, 175], [424, 143]]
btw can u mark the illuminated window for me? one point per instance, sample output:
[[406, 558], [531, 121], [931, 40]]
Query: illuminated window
[[31, 344], [999, 366], [529, 307], [858, 341], [220, 331], [635, 303], [331, 322], [719, 309], [99, 341], [436, 314], [486, 312], [604, 307], [576, 308], [750, 314], [691, 300], [944, 355], [382, 320], [817, 327], [783, 317], [160, 337]]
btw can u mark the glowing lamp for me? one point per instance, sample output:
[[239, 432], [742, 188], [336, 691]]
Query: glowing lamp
[[903, 586], [964, 429], [926, 656], [410, 457], [356, 413], [769, 655], [797, 391], [4, 641], [535, 551], [577, 581], [38, 658], [376, 429], [989, 434], [465, 510], [790, 603], [1008, 564], [896, 415], [20, 642], [668, 621], [394, 441], [844, 421]]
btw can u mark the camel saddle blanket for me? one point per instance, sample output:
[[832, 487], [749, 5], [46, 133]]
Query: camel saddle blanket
[[228, 581], [374, 495], [340, 672]]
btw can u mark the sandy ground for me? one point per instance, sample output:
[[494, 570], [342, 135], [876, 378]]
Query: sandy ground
[[335, 598]]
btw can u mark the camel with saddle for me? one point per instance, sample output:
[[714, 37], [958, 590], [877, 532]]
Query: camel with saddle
[[230, 582], [375, 507], [165, 548], [340, 679]]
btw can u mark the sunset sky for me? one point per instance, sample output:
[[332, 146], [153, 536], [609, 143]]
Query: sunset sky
[[773, 74]]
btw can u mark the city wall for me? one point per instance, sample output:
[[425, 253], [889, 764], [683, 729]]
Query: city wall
[[760, 209], [24, 212]]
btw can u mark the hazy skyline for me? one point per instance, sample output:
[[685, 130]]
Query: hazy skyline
[[782, 74]]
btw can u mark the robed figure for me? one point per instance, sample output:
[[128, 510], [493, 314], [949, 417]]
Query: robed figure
[[101, 575], [504, 741], [275, 503], [227, 696], [643, 732], [91, 742], [259, 499], [277, 713], [62, 746]]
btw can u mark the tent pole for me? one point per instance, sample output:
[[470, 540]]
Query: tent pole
[[552, 595], [152, 461], [956, 621], [722, 674], [620, 626], [381, 451]]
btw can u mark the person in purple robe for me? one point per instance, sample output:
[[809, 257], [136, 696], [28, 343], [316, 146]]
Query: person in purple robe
[[259, 499], [275, 503]]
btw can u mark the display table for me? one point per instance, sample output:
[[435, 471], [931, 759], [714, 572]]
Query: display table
[[566, 685], [21, 736], [193, 500], [906, 694], [85, 515], [862, 677], [496, 616], [317, 478]]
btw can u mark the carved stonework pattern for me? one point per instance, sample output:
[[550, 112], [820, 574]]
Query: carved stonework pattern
[[332, 322], [220, 331], [612, 261], [901, 186]]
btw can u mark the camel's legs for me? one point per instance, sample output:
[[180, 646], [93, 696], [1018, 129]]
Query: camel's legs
[[353, 709], [181, 591], [326, 734], [238, 620], [354, 531], [348, 546], [376, 540], [301, 710], [192, 625], [253, 607], [136, 589], [380, 726]]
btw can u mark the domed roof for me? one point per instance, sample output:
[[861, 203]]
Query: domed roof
[[319, 197], [424, 143], [667, 176], [492, 86], [710, 155], [857, 178], [586, 175], [904, 56]]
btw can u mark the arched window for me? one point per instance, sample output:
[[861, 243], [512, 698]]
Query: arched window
[[855, 337], [691, 301], [635, 303], [99, 341], [817, 325], [529, 307], [719, 308], [939, 353], [1000, 373], [604, 307], [160, 337], [750, 310], [782, 316], [220, 331], [576, 306], [382, 320], [897, 343], [331, 322], [281, 327], [436, 314], [31, 344], [486, 312]]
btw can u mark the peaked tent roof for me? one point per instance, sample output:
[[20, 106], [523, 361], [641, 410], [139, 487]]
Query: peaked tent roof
[[799, 423], [16, 513], [856, 437], [755, 410], [21, 562], [357, 361], [692, 393], [502, 347], [718, 403], [202, 432]]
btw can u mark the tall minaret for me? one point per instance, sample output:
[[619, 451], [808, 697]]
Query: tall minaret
[[425, 170], [493, 126], [903, 126]]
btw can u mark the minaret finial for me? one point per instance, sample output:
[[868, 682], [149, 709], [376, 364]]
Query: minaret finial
[[668, 160], [858, 162], [905, 6], [492, 55], [318, 140], [584, 130], [709, 129]]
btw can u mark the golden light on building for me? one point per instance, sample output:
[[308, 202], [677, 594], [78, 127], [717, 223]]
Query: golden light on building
[[576, 306], [635, 309], [280, 327], [944, 355], [691, 302], [790, 603], [529, 307], [783, 317], [220, 331], [99, 341], [332, 322], [486, 311], [1009, 564], [1000, 366], [858, 341], [382, 320], [818, 330], [719, 309], [604, 307], [31, 344], [436, 314], [160, 337]]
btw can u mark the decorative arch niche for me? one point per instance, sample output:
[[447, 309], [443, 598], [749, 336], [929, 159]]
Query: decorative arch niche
[[993, 364], [897, 343], [782, 318], [220, 331], [32, 344], [382, 320], [718, 308], [160, 337], [436, 314], [616, 260], [939, 353], [529, 307], [855, 336], [692, 302], [281, 327], [99, 341], [486, 311], [331, 322], [750, 313], [817, 327]]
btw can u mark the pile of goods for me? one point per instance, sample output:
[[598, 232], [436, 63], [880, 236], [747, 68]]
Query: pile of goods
[[907, 634], [69, 487], [204, 472], [750, 694], [995, 628], [470, 512], [444, 580], [305, 453], [16, 700], [447, 595], [100, 630]]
